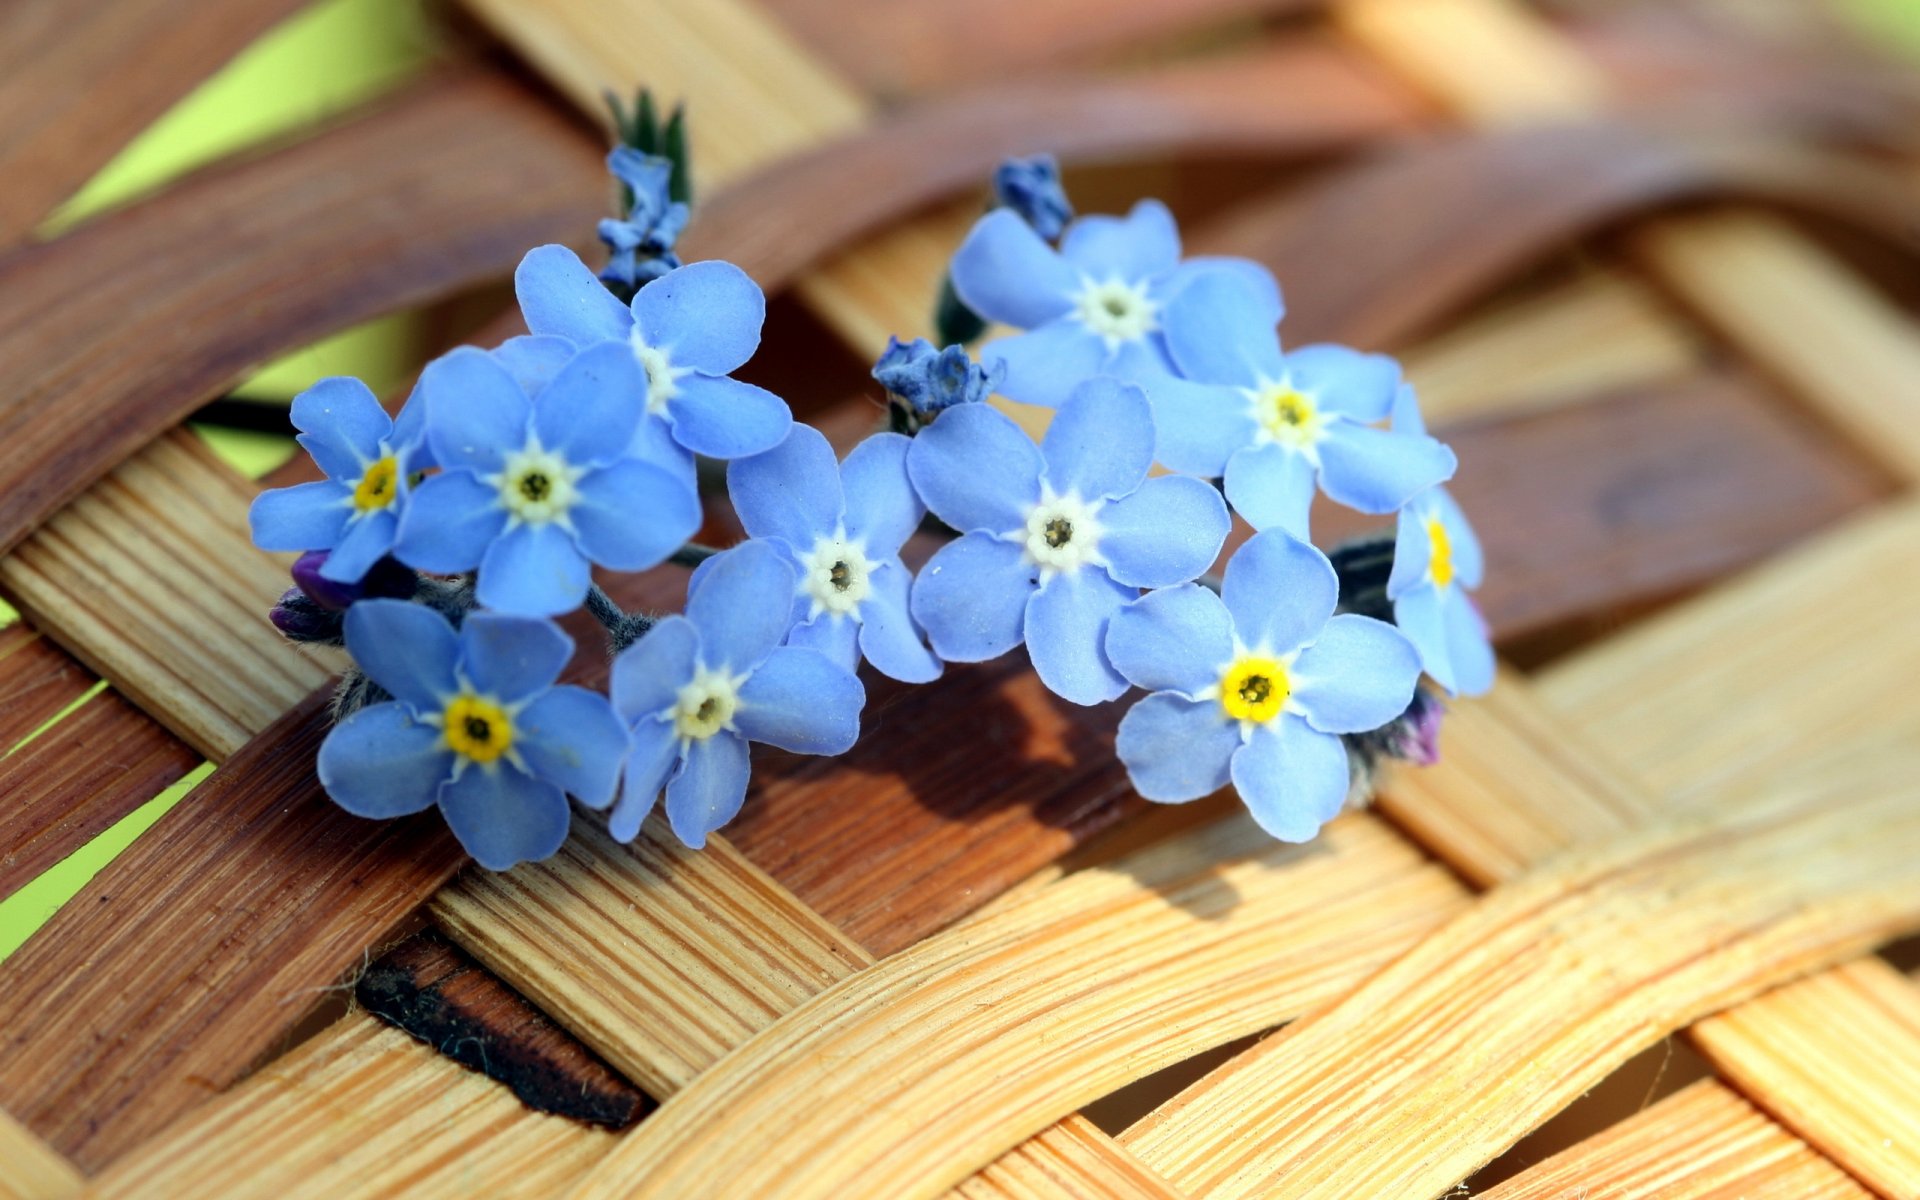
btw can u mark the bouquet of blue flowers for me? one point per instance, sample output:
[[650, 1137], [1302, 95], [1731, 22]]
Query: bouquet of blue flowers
[[446, 539]]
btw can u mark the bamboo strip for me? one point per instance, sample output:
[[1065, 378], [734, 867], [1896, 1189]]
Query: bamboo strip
[[30, 1169], [931, 1064], [1703, 1143], [37, 681]]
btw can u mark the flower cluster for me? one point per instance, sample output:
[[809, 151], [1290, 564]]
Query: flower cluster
[[443, 542]]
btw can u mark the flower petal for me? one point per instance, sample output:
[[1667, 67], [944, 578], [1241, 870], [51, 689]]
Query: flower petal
[[1467, 645], [534, 571], [1358, 675], [1254, 274], [1280, 591], [791, 491], [742, 605], [380, 762], [798, 700], [1271, 487], [1176, 749], [511, 658], [976, 470], [1067, 621], [362, 543], [306, 516], [593, 407], [408, 649], [533, 360], [633, 515], [505, 818], [971, 597], [724, 418], [705, 315], [1140, 245], [1405, 416], [1418, 615], [1197, 426], [1168, 532], [1412, 549], [834, 635], [1172, 640], [570, 737], [1006, 273], [450, 521], [1220, 330], [1292, 778], [1375, 471], [648, 675], [1044, 366], [882, 509], [342, 425], [652, 752], [709, 788], [1469, 560], [1343, 380], [476, 413], [889, 638], [559, 295], [1101, 442]]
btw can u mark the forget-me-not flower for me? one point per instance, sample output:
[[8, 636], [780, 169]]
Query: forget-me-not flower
[[535, 489], [1092, 307], [841, 526], [1277, 423], [1057, 538], [689, 329], [695, 689], [1436, 561], [369, 459], [642, 241], [1031, 188], [1255, 685], [929, 381], [476, 725]]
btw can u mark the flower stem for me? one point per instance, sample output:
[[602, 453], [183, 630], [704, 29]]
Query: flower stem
[[692, 555]]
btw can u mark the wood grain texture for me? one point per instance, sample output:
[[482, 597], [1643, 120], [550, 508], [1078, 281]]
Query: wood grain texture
[[259, 258], [1703, 1143], [37, 681], [78, 78], [30, 1170]]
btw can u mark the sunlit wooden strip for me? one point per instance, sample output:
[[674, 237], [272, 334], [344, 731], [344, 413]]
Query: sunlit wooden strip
[[361, 1110], [1487, 59], [30, 1169], [1703, 1143], [1837, 1059]]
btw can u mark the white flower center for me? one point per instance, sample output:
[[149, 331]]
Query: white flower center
[[1116, 310], [537, 485], [1063, 532], [663, 378], [706, 704], [837, 576], [1287, 416]]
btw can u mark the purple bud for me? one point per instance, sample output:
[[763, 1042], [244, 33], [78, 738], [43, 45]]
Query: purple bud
[[386, 579], [302, 619], [1031, 187], [1416, 734]]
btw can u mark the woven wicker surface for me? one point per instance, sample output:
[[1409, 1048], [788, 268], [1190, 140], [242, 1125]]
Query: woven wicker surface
[[1652, 270]]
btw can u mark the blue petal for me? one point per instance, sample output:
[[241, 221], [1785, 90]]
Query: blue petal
[[560, 296], [511, 658], [632, 515], [971, 597], [342, 425], [1345, 381], [1176, 749], [534, 360], [306, 516], [705, 315], [883, 510], [888, 636], [363, 543], [724, 418], [476, 413], [1168, 532], [1376, 471], [450, 521], [409, 435], [1469, 561], [709, 788], [1358, 675], [1418, 615], [1101, 442], [1405, 416], [1255, 275], [1412, 550], [1280, 591], [834, 635], [648, 675], [591, 410], [1198, 426], [534, 571], [1006, 273], [1067, 620], [742, 605], [653, 443], [570, 737], [1044, 366], [1219, 329], [505, 818], [1467, 645], [976, 469], [798, 700], [1173, 640], [1293, 779], [652, 752], [791, 491], [406, 648], [382, 763], [1271, 487], [1144, 243]]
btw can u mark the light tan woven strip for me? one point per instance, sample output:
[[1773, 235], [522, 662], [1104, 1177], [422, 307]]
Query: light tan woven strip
[[32, 1170], [360, 1110]]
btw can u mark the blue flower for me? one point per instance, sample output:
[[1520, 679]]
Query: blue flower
[[1436, 561], [476, 725], [642, 241], [1276, 424], [929, 381], [841, 527], [1031, 187], [1255, 684], [1057, 538], [368, 458], [533, 490], [1093, 307], [689, 329], [696, 689]]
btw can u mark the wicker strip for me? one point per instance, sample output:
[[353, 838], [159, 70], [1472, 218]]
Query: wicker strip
[[30, 1169]]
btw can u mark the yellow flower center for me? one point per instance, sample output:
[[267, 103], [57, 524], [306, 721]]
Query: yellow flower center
[[1440, 560], [477, 728], [1254, 689], [1288, 416], [377, 487], [706, 704]]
